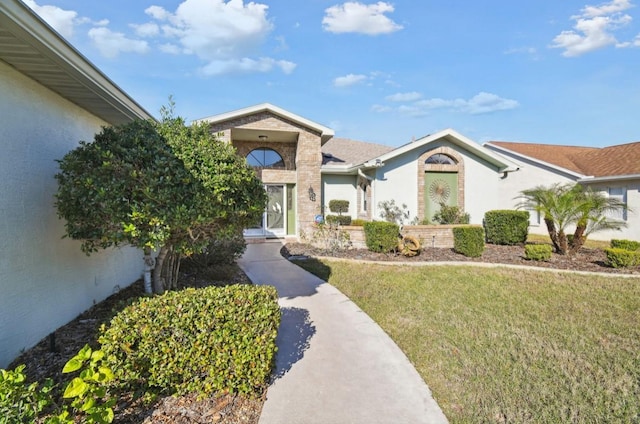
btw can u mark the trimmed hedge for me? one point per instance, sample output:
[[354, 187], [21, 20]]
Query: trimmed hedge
[[358, 222], [625, 244], [506, 227], [214, 339], [468, 241], [338, 219], [381, 236], [622, 258], [339, 206], [538, 252]]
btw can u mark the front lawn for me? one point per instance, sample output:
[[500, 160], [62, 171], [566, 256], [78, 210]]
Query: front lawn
[[508, 346]]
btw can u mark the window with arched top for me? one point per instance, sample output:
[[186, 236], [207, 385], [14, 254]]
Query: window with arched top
[[265, 158], [440, 159]]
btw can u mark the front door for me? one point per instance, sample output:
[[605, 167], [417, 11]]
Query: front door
[[439, 187], [273, 222]]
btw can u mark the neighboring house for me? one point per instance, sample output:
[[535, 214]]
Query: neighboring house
[[52, 98], [613, 171]]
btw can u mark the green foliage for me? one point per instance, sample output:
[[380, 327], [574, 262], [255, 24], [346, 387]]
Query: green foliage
[[358, 222], [566, 205], [339, 206], [330, 237], [625, 244], [214, 339], [538, 252], [622, 258], [450, 215], [469, 241], [391, 212], [506, 227], [223, 250], [381, 236], [21, 402], [88, 391], [338, 219], [156, 186]]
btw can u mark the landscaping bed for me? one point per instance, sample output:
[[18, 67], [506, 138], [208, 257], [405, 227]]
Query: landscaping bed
[[44, 362], [591, 260]]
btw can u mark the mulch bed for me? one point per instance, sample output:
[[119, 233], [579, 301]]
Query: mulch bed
[[47, 358], [591, 260]]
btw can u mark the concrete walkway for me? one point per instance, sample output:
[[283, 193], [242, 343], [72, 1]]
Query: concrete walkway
[[334, 364]]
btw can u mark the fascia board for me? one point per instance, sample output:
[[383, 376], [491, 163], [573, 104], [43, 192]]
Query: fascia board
[[534, 160]]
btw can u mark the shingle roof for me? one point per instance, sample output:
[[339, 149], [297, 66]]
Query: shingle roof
[[344, 151], [622, 159]]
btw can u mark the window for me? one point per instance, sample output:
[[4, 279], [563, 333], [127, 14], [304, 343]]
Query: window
[[440, 159], [265, 158], [363, 198], [619, 194]]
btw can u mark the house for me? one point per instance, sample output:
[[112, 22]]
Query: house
[[304, 167], [52, 98]]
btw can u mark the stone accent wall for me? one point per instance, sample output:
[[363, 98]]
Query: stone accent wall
[[422, 168], [286, 150], [440, 236]]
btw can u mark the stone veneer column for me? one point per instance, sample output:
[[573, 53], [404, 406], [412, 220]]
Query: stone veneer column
[[308, 162]]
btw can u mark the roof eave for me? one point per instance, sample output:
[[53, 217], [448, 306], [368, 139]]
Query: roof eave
[[609, 178], [106, 100], [538, 161]]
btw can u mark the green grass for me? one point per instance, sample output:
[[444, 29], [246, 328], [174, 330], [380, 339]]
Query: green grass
[[509, 346], [589, 244]]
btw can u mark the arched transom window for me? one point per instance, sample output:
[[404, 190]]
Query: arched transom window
[[265, 158], [440, 159]]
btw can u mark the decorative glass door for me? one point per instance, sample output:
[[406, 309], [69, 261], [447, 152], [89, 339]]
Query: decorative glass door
[[439, 188], [273, 222]]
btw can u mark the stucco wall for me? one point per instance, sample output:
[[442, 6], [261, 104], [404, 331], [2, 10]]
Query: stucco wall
[[45, 281], [340, 187], [632, 231]]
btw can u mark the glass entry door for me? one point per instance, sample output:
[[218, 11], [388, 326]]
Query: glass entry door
[[273, 222]]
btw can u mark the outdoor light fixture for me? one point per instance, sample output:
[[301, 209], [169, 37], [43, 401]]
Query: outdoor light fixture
[[312, 194], [263, 137]]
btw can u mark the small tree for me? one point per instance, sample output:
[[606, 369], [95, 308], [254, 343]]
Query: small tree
[[450, 215], [391, 212], [567, 205], [157, 186]]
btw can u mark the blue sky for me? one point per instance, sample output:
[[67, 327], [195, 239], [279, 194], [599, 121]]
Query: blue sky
[[545, 71]]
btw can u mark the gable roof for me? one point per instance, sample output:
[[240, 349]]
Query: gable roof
[[344, 151], [325, 132], [33, 48], [618, 160]]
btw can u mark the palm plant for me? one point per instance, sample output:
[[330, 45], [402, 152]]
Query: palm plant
[[566, 206]]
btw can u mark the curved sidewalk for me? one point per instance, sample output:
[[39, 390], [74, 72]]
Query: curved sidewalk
[[334, 365]]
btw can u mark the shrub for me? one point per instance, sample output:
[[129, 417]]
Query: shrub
[[214, 339], [21, 402], [538, 252], [330, 238], [339, 206], [381, 236], [506, 226], [338, 219], [358, 222], [625, 244], [391, 212], [622, 258], [220, 251], [450, 215], [468, 241]]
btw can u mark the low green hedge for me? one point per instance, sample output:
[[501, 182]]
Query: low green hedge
[[358, 222], [538, 252], [338, 219], [214, 339], [625, 244], [506, 227], [381, 236], [469, 241], [622, 258]]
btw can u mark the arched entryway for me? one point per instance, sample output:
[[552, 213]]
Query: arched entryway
[[440, 181]]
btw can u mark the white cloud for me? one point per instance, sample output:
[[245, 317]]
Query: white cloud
[[482, 102], [61, 20], [111, 44], [404, 97], [380, 108], [349, 80], [169, 48], [246, 65], [360, 18], [594, 29], [149, 29]]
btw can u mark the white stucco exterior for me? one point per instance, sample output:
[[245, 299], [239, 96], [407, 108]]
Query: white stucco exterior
[[340, 187], [45, 280]]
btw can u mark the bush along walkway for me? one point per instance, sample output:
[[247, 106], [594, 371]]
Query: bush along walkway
[[334, 363]]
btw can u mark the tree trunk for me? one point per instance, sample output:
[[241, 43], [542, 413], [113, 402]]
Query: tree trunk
[[158, 277], [578, 239], [553, 234]]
